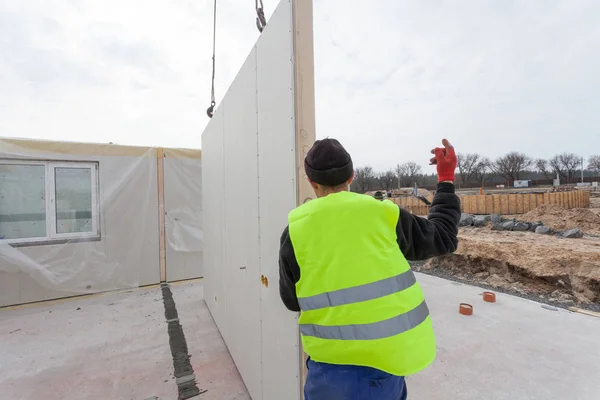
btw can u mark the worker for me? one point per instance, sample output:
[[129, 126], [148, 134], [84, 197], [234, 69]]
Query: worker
[[378, 195], [343, 265]]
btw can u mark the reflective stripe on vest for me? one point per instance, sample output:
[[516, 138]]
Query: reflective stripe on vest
[[377, 330], [356, 294]]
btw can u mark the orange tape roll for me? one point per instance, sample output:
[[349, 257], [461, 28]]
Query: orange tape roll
[[489, 297], [465, 309]]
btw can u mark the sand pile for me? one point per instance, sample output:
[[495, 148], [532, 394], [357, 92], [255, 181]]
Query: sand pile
[[560, 219], [562, 270]]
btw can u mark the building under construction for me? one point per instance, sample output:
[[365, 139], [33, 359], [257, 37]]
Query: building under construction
[[134, 273]]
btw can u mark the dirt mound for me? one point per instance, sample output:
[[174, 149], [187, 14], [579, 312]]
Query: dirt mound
[[561, 219], [562, 270]]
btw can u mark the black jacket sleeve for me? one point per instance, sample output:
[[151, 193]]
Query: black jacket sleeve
[[289, 272], [421, 238]]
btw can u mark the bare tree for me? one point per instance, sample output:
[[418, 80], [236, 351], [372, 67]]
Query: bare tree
[[483, 172], [565, 164], [556, 167], [363, 179], [471, 166], [387, 180], [408, 173], [542, 167], [511, 165], [594, 163]]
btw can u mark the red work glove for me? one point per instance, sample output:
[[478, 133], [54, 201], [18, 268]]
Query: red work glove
[[445, 161]]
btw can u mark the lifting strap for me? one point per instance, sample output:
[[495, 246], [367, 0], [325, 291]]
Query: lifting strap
[[211, 109]]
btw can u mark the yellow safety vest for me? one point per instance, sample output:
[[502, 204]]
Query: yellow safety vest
[[360, 302]]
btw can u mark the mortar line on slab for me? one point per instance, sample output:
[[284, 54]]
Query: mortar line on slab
[[182, 368]]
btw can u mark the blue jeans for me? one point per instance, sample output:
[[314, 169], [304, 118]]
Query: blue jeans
[[349, 382]]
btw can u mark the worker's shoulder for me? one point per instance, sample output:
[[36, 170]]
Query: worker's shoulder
[[343, 200], [391, 209], [302, 210]]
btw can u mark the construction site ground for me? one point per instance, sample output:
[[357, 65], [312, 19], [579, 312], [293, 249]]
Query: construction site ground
[[547, 268], [115, 346], [112, 346]]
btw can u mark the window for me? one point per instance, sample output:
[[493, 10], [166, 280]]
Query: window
[[47, 201]]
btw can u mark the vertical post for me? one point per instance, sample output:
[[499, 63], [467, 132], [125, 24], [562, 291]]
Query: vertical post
[[304, 91], [304, 78], [160, 174]]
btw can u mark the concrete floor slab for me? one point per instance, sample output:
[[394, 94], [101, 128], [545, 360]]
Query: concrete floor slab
[[115, 346], [509, 350], [110, 346], [214, 369]]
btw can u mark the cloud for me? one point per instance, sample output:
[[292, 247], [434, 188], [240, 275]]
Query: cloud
[[115, 71], [490, 76], [392, 77]]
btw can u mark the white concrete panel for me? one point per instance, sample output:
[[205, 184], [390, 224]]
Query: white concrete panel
[[277, 187], [213, 209], [248, 189], [241, 263]]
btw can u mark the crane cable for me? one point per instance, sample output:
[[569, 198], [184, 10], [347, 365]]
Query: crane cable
[[261, 21], [211, 109]]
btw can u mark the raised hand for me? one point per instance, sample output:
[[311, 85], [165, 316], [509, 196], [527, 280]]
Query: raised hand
[[445, 161]]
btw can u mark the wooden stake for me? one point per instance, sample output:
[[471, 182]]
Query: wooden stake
[[304, 91], [497, 204], [586, 312], [304, 76], [489, 204]]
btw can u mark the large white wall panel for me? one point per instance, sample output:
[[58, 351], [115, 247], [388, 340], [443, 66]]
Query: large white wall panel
[[241, 264], [213, 194], [277, 193], [249, 187]]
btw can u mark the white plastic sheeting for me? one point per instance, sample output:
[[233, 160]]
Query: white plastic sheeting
[[92, 223], [185, 230], [183, 213], [124, 247]]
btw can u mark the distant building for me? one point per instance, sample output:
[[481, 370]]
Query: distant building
[[522, 184]]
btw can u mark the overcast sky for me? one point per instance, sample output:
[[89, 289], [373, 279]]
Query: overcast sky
[[392, 76]]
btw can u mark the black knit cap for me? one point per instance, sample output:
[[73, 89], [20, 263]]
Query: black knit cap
[[328, 163]]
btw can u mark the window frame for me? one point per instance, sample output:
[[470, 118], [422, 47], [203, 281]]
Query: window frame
[[52, 237]]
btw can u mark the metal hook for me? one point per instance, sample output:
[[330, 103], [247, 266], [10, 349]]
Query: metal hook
[[261, 21], [211, 109]]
